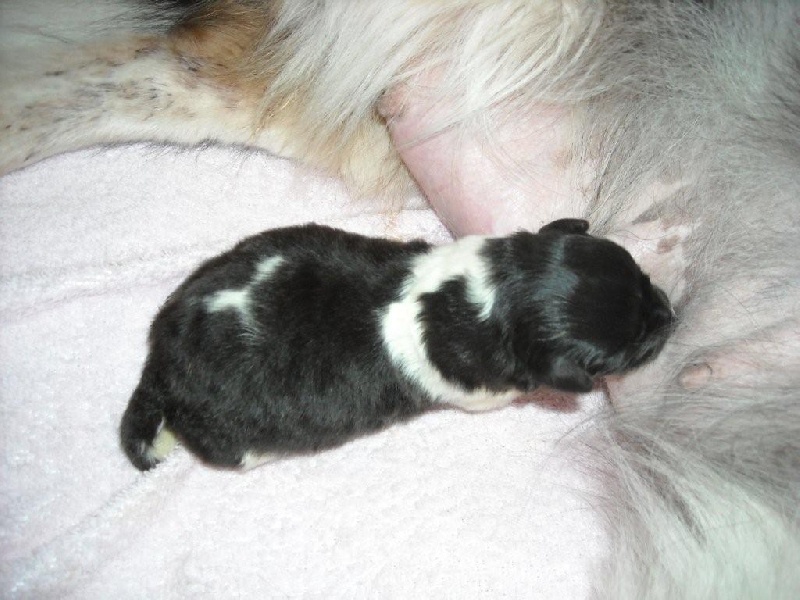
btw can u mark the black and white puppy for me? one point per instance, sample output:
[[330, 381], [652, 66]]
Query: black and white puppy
[[301, 338]]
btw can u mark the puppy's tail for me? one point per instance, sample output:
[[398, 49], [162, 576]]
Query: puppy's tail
[[143, 432]]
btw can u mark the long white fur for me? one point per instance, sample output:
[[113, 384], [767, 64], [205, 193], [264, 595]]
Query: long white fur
[[702, 482]]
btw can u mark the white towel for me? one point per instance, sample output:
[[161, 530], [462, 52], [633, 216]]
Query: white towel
[[450, 505]]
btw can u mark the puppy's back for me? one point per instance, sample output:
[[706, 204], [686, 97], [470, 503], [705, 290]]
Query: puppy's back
[[274, 340]]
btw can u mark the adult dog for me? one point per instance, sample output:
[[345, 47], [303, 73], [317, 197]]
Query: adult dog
[[672, 126]]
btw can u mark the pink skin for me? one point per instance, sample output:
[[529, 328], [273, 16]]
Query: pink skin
[[476, 190], [523, 181]]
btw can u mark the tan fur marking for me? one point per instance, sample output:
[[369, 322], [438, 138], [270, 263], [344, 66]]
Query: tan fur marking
[[224, 45], [218, 43]]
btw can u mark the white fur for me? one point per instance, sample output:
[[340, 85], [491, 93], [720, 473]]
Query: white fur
[[164, 442], [240, 299], [251, 460], [403, 334]]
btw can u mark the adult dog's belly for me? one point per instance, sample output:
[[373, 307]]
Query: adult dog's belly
[[512, 173]]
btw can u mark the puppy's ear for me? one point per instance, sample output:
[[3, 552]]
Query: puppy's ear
[[579, 226], [567, 376]]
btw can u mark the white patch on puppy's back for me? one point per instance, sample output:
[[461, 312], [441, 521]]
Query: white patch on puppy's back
[[230, 299], [239, 299], [403, 333], [266, 268]]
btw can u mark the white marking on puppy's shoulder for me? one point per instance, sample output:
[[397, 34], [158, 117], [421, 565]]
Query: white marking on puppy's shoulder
[[403, 333], [445, 263]]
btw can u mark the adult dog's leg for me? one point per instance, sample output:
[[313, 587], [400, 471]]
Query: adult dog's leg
[[301, 79], [271, 75], [95, 76]]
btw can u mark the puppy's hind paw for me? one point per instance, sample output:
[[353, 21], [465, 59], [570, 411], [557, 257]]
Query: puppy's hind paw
[[251, 460], [162, 445]]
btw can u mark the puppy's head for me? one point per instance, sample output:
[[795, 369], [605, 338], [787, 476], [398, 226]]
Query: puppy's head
[[584, 307]]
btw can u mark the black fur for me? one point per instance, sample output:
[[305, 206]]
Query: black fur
[[310, 369], [569, 307]]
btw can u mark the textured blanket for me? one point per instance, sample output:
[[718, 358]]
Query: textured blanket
[[450, 505]]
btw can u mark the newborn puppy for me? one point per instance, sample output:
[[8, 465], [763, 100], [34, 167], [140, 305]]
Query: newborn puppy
[[299, 339]]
